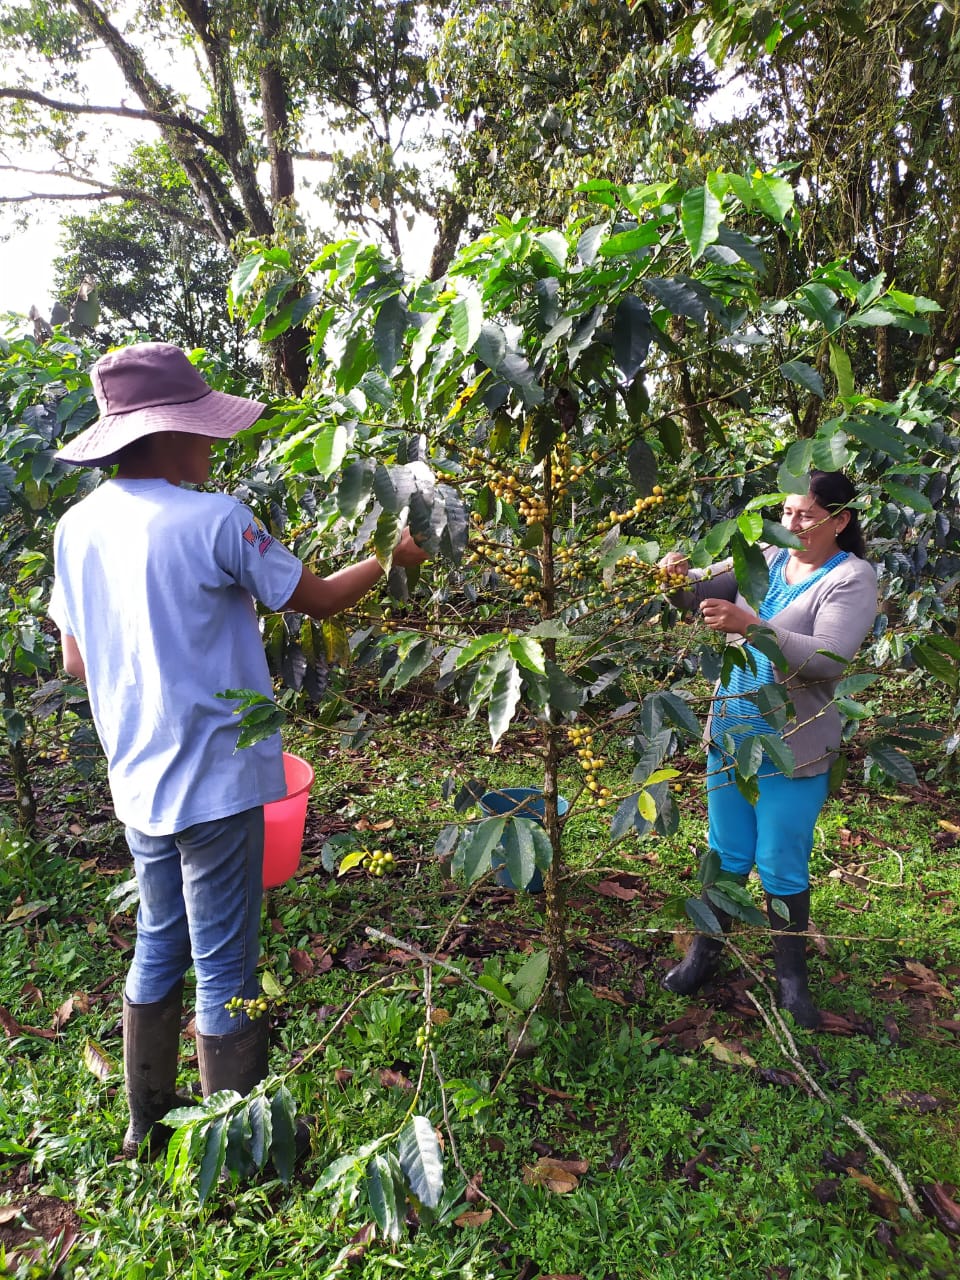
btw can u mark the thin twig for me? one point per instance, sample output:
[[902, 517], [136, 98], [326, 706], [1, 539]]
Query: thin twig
[[787, 1046]]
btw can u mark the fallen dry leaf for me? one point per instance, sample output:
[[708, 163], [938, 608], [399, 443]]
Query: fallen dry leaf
[[731, 1054], [913, 1100], [473, 1218], [938, 1196], [14, 1028], [929, 983], [949, 826], [97, 1060], [607, 993], [31, 993], [613, 889], [558, 1176], [472, 1191], [63, 1014], [880, 1198], [302, 962]]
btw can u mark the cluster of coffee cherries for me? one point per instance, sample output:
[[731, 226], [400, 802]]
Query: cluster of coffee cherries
[[582, 740], [413, 718], [377, 861], [427, 1036], [669, 580], [614, 518], [254, 1008], [520, 574]]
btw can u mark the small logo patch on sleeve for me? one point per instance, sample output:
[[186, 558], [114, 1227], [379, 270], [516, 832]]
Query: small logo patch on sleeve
[[256, 535]]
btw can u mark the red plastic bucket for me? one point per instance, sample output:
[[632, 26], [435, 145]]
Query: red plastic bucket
[[283, 823]]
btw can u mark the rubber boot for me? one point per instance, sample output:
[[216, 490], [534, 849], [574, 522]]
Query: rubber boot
[[790, 957], [237, 1061], [702, 958], [151, 1046]]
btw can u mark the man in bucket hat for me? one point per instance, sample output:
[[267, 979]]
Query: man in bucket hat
[[154, 596]]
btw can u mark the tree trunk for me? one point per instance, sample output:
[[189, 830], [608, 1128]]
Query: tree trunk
[[19, 768], [555, 920]]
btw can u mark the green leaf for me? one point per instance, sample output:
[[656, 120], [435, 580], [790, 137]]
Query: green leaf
[[388, 331], [421, 1161], [245, 277], [214, 1145], [386, 535], [554, 245], [466, 319], [701, 214], [632, 334], [892, 762], [774, 196], [830, 452], [504, 696], [475, 647], [818, 302], [749, 756], [624, 242], [355, 488], [764, 640], [842, 370], [382, 1194], [804, 375], [519, 849], [530, 979], [472, 859], [750, 567], [528, 652], [283, 1144], [647, 806], [750, 524], [779, 753], [642, 466], [330, 449], [906, 496], [702, 916]]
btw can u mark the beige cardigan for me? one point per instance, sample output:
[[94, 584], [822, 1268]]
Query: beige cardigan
[[832, 616]]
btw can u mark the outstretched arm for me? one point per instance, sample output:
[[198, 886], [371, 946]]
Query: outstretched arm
[[73, 659], [324, 597]]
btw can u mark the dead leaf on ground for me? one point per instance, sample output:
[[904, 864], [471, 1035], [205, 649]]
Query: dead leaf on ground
[[948, 1024], [558, 1176], [97, 1060], [472, 1191], [731, 1052], [607, 993], [359, 1242], [473, 1218], [880, 1198], [914, 1100], [775, 1075], [366, 825], [302, 962], [614, 889], [14, 1028], [63, 1014], [692, 1171], [342, 1076], [928, 982], [939, 1198], [835, 1024], [32, 993]]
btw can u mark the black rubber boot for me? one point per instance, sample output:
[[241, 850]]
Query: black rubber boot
[[237, 1061], [151, 1046], [790, 957], [702, 958]]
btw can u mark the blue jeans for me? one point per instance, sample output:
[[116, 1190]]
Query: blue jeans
[[201, 891], [776, 834]]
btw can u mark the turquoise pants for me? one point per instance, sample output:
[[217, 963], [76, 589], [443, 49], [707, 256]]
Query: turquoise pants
[[775, 835]]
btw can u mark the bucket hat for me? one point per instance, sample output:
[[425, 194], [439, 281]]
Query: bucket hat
[[151, 387]]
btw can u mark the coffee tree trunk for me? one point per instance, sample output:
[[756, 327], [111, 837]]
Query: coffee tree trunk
[[19, 767], [555, 924]]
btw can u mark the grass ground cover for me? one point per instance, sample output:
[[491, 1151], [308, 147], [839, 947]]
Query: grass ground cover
[[641, 1136]]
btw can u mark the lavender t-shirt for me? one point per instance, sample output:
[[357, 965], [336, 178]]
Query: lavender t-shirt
[[157, 586]]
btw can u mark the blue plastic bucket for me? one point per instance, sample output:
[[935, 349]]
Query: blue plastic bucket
[[517, 802]]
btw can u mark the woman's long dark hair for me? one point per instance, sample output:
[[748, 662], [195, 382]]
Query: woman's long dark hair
[[834, 492]]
